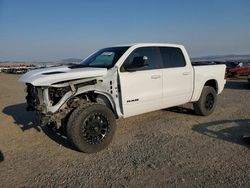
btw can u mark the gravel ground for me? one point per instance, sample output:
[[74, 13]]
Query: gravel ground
[[166, 148]]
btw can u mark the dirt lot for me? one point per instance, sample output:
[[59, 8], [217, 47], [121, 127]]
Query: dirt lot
[[165, 148]]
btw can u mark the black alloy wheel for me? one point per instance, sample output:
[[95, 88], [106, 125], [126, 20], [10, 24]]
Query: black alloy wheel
[[91, 127], [209, 101], [95, 128]]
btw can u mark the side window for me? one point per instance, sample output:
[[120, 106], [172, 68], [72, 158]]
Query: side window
[[172, 57], [144, 58]]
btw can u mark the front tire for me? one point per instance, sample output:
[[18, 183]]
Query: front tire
[[91, 127], [207, 102]]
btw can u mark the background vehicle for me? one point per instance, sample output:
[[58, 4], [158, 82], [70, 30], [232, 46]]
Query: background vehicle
[[119, 82], [242, 68], [230, 65], [196, 63]]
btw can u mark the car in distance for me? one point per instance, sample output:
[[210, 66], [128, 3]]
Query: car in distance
[[242, 68], [119, 82]]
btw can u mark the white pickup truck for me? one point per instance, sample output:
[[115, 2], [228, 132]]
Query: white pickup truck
[[119, 82]]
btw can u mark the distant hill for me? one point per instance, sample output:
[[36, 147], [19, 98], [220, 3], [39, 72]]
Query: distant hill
[[63, 61], [71, 60], [230, 57]]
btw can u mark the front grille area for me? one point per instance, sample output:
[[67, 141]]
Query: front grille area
[[32, 98], [55, 94]]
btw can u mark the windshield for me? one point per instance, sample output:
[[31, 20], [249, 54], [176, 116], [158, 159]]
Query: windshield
[[104, 58]]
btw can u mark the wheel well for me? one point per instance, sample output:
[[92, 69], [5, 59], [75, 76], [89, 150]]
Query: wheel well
[[91, 96], [102, 99], [213, 84]]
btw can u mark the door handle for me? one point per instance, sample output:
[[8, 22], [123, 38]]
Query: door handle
[[155, 76], [186, 73]]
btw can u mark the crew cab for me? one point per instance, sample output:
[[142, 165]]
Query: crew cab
[[119, 82]]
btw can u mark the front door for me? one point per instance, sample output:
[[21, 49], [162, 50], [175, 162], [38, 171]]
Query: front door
[[141, 86]]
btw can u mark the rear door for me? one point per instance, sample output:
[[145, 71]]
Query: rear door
[[177, 77], [141, 88]]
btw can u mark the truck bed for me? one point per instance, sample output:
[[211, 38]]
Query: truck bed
[[204, 72]]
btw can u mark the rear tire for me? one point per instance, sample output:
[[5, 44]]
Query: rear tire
[[207, 102], [91, 127]]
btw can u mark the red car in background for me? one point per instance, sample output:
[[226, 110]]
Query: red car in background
[[235, 69]]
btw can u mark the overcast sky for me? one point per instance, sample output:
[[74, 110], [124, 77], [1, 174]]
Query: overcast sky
[[44, 30]]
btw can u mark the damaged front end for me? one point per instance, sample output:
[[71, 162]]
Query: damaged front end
[[32, 98], [40, 99], [54, 97]]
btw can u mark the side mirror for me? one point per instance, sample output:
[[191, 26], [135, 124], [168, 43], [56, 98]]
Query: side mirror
[[138, 62]]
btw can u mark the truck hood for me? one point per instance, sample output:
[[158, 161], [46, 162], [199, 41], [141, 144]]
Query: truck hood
[[48, 76]]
